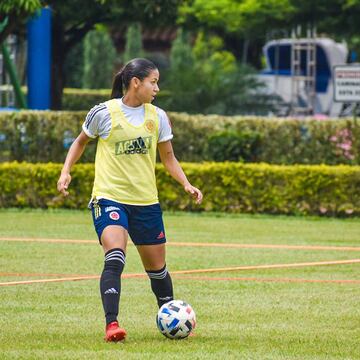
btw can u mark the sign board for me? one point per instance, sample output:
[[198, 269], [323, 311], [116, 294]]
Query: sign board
[[347, 83]]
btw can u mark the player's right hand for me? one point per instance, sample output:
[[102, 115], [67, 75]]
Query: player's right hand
[[63, 183]]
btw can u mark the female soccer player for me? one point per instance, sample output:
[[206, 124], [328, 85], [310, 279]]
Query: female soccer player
[[124, 197]]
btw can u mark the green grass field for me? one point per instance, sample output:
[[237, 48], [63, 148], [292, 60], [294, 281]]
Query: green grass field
[[242, 314]]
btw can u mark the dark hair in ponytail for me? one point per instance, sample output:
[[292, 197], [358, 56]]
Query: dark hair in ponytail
[[139, 68]]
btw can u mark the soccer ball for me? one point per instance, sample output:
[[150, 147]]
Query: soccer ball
[[176, 319]]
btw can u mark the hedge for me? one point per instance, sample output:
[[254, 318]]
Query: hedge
[[227, 187], [276, 140], [84, 99], [43, 136]]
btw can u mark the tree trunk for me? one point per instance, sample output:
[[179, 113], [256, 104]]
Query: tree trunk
[[62, 43], [57, 63]]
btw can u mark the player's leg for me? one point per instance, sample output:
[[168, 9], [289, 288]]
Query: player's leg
[[146, 229], [111, 224], [114, 241], [153, 259]]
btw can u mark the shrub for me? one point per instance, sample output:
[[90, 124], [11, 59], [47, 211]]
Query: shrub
[[42, 136], [85, 99], [233, 146], [74, 66], [207, 79], [133, 45], [99, 58], [229, 187]]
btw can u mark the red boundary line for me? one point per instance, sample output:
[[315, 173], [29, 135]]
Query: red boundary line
[[271, 266], [208, 278], [18, 274], [180, 272], [196, 244], [199, 278]]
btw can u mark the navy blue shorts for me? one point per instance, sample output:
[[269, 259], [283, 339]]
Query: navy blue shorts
[[143, 223]]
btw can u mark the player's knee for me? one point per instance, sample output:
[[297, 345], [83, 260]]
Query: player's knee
[[114, 261], [158, 274]]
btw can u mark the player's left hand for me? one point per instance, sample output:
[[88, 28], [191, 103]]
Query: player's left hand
[[195, 192]]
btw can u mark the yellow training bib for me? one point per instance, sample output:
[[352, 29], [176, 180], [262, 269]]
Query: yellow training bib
[[125, 160]]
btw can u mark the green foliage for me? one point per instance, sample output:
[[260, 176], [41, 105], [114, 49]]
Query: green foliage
[[253, 21], [72, 20], [180, 77], [133, 46], [253, 18], [17, 7], [290, 141], [246, 16], [84, 99], [14, 15], [233, 146], [229, 187], [210, 81], [39, 136], [275, 141], [99, 57], [181, 56], [74, 67]]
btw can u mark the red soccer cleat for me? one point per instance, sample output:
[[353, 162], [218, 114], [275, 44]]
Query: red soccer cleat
[[114, 333]]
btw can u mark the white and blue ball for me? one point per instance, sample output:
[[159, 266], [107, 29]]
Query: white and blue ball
[[176, 319]]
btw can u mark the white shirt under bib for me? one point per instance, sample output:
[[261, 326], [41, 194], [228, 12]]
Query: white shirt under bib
[[98, 121]]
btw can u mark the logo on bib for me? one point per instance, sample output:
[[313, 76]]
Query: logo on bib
[[150, 126], [140, 145], [114, 215]]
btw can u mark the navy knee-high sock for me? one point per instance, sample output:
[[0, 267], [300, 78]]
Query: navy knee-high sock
[[110, 283], [161, 285]]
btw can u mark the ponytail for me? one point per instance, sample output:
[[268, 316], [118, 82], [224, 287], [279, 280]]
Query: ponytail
[[139, 68], [118, 85]]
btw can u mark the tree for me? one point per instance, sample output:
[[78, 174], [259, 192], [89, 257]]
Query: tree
[[72, 20], [14, 13], [181, 56], [74, 66], [207, 79], [180, 78], [246, 17], [98, 69], [238, 22], [133, 46], [252, 19]]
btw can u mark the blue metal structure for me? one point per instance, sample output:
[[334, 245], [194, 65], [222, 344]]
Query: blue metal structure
[[39, 61]]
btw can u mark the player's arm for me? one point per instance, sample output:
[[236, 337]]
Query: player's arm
[[74, 154], [171, 164]]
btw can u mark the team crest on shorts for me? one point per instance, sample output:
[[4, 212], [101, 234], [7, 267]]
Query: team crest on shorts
[[150, 125], [114, 215]]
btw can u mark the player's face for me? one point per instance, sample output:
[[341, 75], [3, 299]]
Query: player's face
[[148, 87]]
